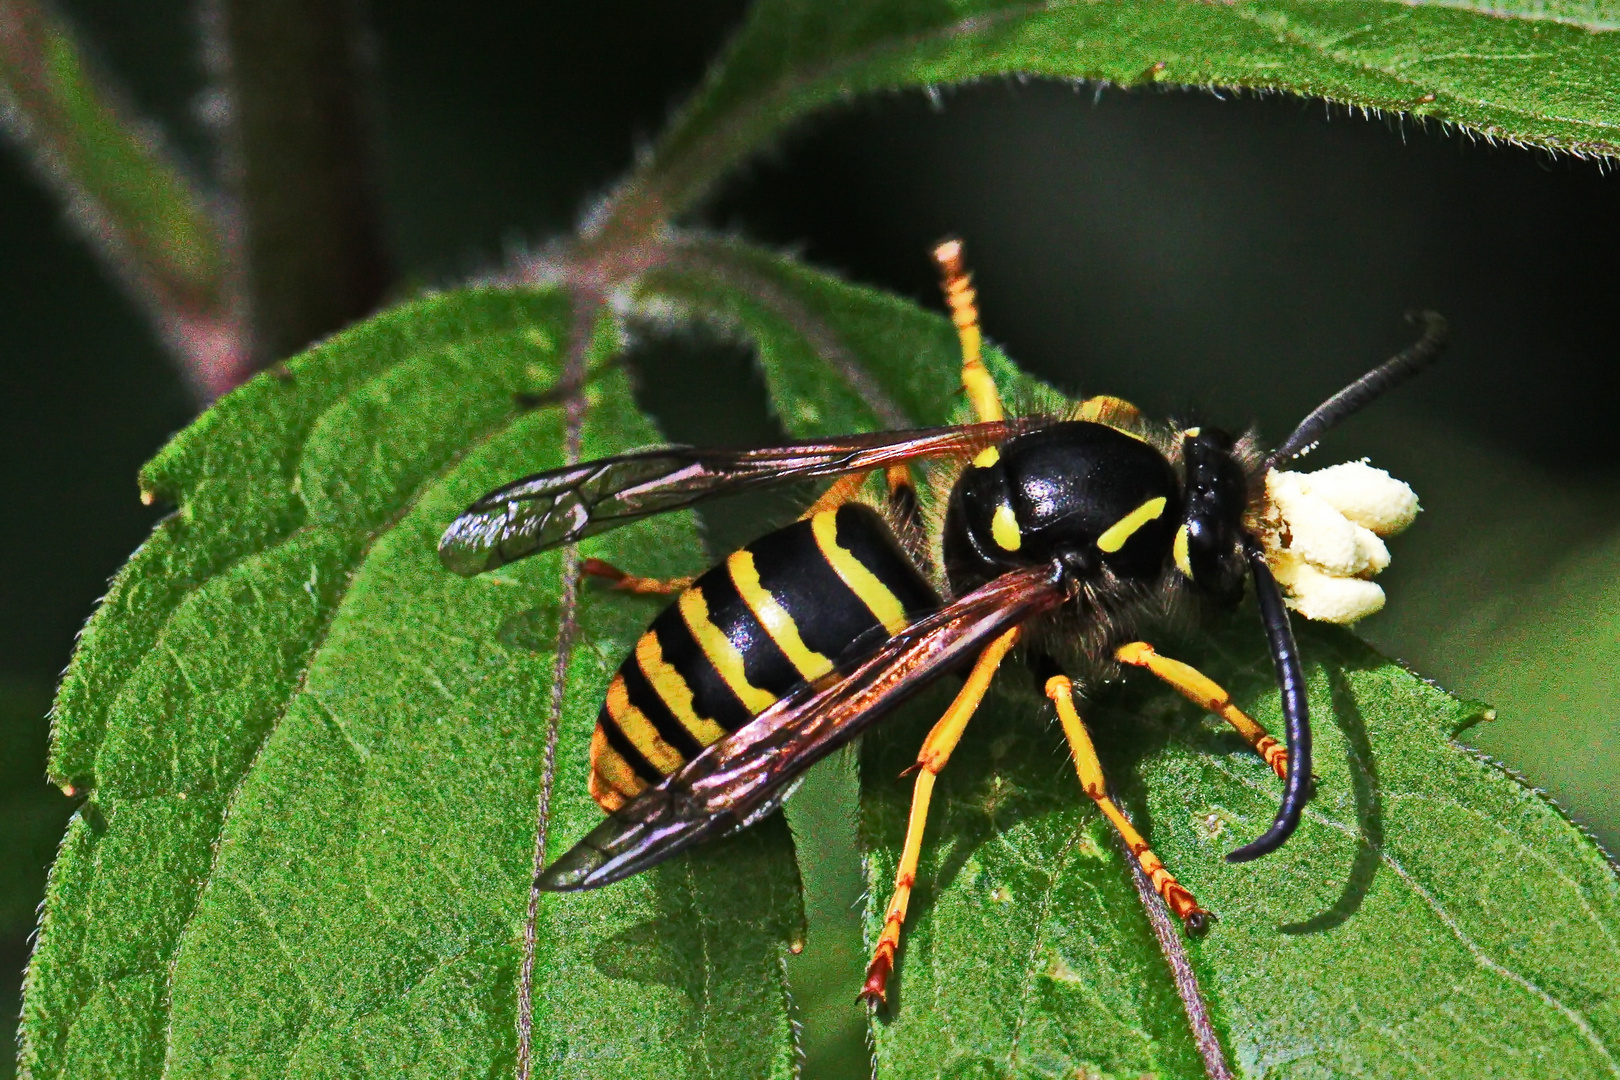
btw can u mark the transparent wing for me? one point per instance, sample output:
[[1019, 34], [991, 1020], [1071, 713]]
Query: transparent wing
[[746, 775], [564, 505]]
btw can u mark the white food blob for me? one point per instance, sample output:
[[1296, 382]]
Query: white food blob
[[1326, 538]]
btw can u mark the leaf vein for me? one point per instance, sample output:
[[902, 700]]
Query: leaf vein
[[585, 309], [1481, 957], [1043, 909]]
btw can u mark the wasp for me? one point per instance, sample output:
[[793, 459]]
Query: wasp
[[1064, 536]]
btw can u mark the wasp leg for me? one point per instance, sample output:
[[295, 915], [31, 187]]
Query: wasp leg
[[843, 490], [936, 750], [1207, 694], [618, 579], [1180, 901], [963, 302]]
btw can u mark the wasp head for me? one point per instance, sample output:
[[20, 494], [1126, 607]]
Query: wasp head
[[1208, 547]]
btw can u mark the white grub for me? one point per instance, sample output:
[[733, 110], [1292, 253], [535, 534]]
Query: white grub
[[1324, 537]]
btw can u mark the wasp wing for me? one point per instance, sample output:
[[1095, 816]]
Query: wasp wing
[[564, 505], [746, 775]]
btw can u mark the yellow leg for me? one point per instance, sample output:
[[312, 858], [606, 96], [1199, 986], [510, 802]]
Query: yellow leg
[[936, 750], [843, 490], [959, 295], [1204, 692], [1181, 902], [629, 583]]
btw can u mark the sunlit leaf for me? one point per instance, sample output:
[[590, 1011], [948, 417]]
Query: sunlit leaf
[[32, 814], [313, 756]]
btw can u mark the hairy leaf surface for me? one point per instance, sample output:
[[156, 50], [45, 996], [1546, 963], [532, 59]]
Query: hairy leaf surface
[[1542, 74], [1433, 915], [313, 756]]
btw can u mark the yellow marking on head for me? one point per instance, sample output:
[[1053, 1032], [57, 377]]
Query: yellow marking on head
[[986, 457], [721, 652], [1192, 433], [1114, 537], [774, 617], [640, 731], [673, 691], [883, 604], [612, 772], [1179, 550], [1004, 529]]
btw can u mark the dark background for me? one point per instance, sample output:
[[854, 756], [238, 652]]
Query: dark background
[[1238, 256]]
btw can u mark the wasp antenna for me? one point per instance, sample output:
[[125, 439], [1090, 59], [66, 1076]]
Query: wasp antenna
[[1381, 379], [1296, 711]]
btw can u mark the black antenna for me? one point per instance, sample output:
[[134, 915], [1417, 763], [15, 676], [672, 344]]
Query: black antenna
[[1386, 376], [1296, 711]]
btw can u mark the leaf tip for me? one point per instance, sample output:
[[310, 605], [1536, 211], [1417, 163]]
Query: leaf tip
[[1468, 713]]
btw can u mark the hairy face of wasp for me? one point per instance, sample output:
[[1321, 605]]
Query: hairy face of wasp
[[1101, 502]]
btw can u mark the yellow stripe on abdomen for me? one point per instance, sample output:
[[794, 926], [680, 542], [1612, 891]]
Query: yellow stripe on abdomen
[[673, 691], [883, 604], [721, 653], [640, 731], [774, 617], [613, 782]]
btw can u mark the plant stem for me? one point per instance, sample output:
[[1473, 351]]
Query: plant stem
[[142, 215], [1181, 970], [298, 156]]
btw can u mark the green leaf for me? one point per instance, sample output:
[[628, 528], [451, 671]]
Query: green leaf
[[313, 756], [1433, 916], [1540, 74], [32, 814]]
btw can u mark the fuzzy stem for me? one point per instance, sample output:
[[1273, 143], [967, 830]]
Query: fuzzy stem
[[1168, 935], [142, 215]]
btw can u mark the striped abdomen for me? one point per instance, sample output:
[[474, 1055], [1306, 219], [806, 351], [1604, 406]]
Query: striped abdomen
[[784, 610]]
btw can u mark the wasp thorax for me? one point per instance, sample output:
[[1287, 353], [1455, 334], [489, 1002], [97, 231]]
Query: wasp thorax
[[1325, 537], [1090, 496]]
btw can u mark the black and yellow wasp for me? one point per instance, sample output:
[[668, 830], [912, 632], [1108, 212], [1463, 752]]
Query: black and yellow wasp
[[1065, 536]]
